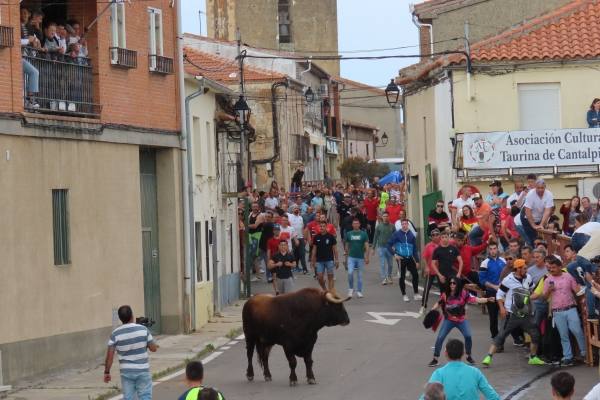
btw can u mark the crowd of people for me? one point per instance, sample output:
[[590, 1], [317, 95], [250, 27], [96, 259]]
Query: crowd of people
[[51, 40], [481, 248]]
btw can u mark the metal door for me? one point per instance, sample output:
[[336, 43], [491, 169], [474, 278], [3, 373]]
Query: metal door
[[429, 201], [151, 266]]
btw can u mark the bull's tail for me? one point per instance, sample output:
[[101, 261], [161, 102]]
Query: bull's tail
[[263, 352]]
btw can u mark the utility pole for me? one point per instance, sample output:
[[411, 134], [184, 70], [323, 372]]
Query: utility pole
[[244, 149], [200, 20], [468, 51]]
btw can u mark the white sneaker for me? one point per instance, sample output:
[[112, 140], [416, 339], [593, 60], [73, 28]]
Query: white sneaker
[[359, 295], [406, 299], [417, 296], [350, 292], [384, 282], [422, 310]]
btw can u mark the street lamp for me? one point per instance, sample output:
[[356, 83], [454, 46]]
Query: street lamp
[[392, 93], [242, 110], [309, 95], [384, 140]]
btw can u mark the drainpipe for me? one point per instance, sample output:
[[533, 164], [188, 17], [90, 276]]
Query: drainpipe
[[188, 245], [275, 125], [418, 24]]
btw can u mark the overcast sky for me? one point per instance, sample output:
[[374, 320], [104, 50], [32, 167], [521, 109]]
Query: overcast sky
[[375, 24]]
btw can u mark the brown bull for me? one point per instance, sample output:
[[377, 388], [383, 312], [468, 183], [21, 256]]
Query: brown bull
[[291, 320]]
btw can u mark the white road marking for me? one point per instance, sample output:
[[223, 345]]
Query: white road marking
[[224, 348], [233, 342], [380, 317], [241, 337]]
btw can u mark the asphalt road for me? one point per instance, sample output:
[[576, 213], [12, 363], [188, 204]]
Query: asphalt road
[[364, 359]]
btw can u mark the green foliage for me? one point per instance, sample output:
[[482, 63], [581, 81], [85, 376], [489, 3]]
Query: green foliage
[[356, 169]]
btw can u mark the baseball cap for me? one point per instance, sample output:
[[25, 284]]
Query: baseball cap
[[276, 227], [435, 231], [476, 196], [496, 183], [519, 263]]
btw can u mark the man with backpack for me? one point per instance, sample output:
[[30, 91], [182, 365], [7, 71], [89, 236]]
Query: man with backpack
[[513, 298], [403, 245], [194, 375]]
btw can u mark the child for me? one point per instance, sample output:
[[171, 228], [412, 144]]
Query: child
[[194, 375]]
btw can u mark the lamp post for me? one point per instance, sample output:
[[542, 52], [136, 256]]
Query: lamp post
[[383, 139], [392, 93], [309, 95]]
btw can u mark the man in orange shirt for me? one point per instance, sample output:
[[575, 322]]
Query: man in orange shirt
[[482, 212]]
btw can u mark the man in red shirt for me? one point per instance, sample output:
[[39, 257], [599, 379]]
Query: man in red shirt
[[371, 204], [273, 247], [428, 270], [314, 227], [467, 252], [393, 209]]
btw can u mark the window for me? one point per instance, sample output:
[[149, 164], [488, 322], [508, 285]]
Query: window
[[60, 226], [155, 35], [367, 149], [207, 243], [539, 106], [117, 23], [285, 34]]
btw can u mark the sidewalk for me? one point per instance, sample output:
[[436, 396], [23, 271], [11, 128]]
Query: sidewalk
[[585, 379], [85, 383]]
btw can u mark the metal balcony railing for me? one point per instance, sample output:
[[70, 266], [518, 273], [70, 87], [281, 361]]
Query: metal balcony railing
[[123, 57], [65, 84], [6, 36], [160, 64]]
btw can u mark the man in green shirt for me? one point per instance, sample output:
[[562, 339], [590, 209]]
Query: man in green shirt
[[384, 196], [356, 245], [383, 233]]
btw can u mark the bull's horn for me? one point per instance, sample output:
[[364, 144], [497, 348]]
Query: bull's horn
[[332, 299]]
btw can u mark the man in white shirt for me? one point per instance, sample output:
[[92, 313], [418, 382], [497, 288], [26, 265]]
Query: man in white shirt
[[519, 190], [271, 202], [297, 223], [536, 210], [463, 200]]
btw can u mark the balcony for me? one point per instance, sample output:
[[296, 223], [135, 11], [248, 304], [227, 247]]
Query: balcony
[[160, 64], [6, 36], [123, 57], [65, 85]]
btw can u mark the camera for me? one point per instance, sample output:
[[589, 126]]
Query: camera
[[145, 321]]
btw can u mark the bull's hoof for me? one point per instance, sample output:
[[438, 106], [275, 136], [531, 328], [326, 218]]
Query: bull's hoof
[[268, 379], [312, 381], [293, 383], [250, 378]]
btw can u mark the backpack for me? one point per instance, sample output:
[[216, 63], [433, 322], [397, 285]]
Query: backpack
[[520, 302]]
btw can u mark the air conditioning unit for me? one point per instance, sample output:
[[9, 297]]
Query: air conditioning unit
[[589, 187]]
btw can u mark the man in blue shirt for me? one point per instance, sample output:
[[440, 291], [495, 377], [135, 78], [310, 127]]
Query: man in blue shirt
[[489, 279], [461, 381]]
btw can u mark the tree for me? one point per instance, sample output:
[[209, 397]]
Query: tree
[[356, 169]]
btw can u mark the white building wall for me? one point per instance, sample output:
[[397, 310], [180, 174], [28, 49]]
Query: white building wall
[[445, 181]]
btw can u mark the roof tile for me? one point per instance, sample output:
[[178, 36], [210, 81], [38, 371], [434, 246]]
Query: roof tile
[[222, 69]]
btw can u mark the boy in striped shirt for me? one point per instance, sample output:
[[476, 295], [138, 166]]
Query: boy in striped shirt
[[131, 341]]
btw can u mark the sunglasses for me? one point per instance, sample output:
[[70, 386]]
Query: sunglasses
[[439, 206], [509, 258], [453, 283]]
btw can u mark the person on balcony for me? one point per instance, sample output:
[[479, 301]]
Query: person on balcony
[[593, 114], [51, 42], [31, 73], [74, 29], [61, 36], [35, 25]]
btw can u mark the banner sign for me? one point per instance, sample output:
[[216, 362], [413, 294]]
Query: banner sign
[[543, 148]]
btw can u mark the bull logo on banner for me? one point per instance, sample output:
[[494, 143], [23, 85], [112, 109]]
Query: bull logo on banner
[[481, 151]]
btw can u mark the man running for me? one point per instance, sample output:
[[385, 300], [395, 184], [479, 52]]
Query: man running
[[356, 246], [383, 233], [431, 276], [403, 245], [513, 300], [324, 256]]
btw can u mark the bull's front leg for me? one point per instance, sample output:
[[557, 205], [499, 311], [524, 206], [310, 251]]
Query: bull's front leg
[[293, 363]]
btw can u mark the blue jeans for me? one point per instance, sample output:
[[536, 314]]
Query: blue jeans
[[139, 383], [385, 258], [530, 233], [357, 264], [445, 329], [476, 236], [33, 77], [566, 321], [263, 256], [323, 266]]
